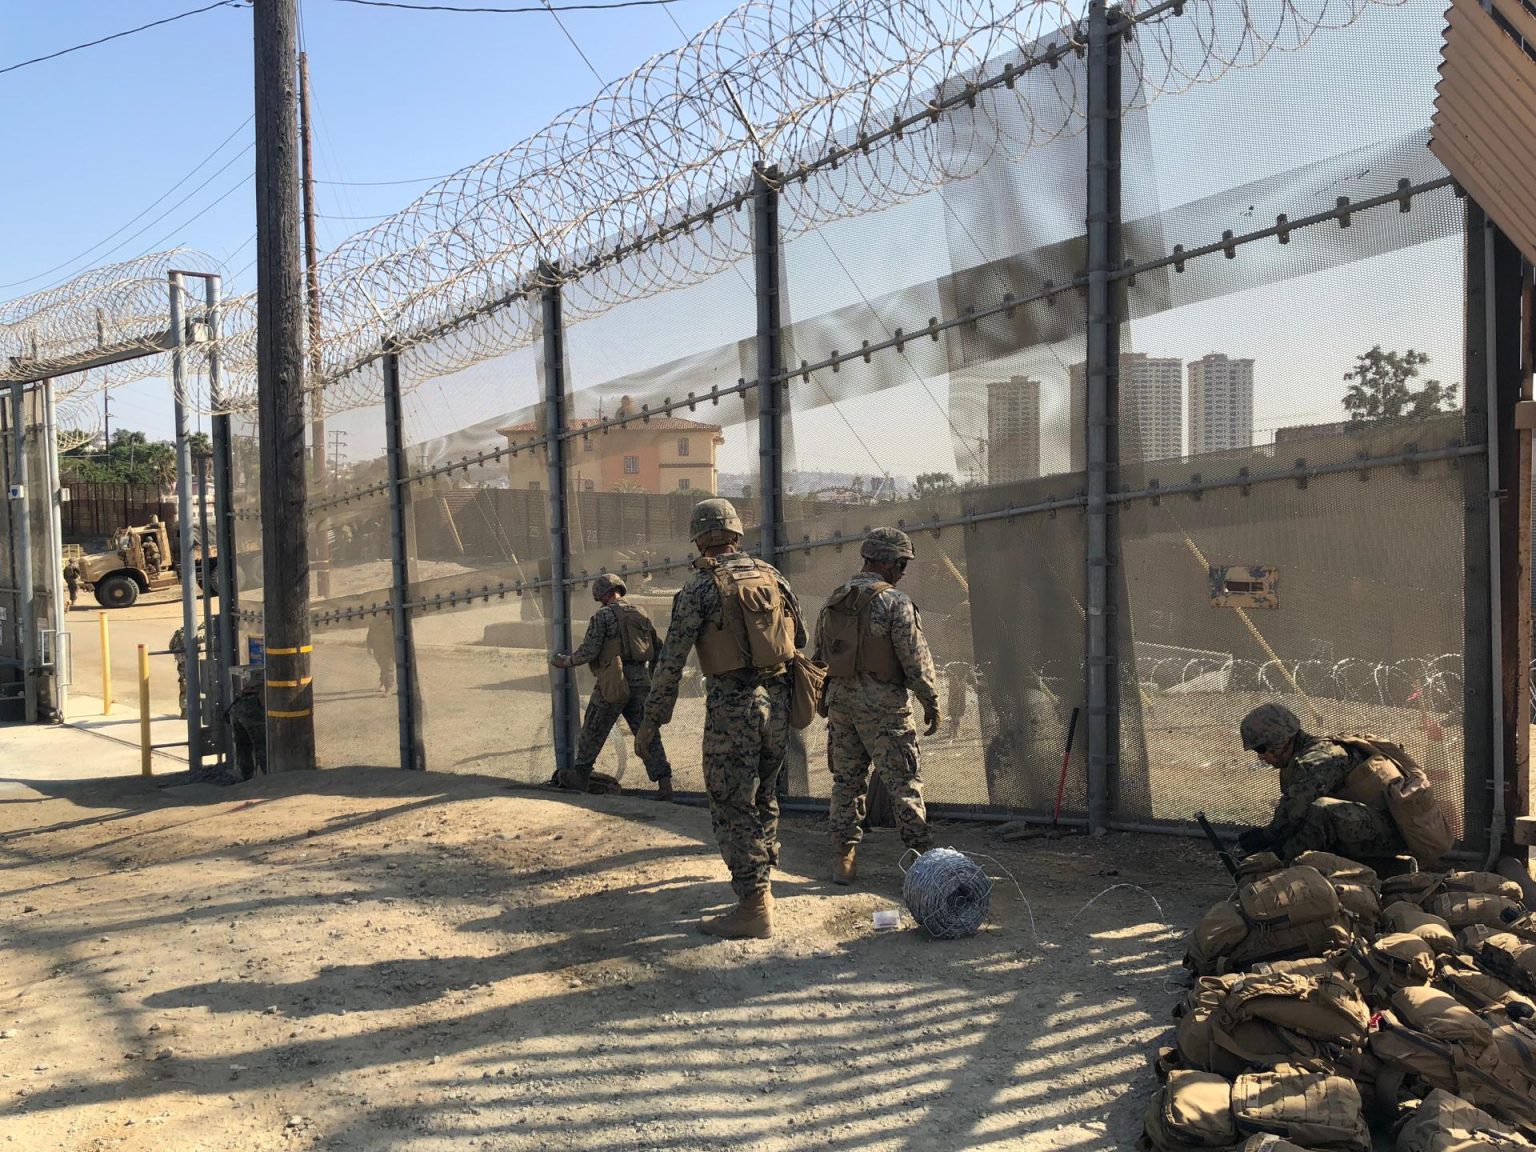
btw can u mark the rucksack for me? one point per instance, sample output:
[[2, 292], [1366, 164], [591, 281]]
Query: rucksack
[[1410, 799], [843, 634], [1489, 882], [1478, 990], [1283, 914], [637, 643], [756, 626], [1414, 887], [1355, 884], [1461, 909], [1268, 1019], [1317, 1110], [1391, 962], [1511, 959], [1446, 1123], [1401, 916], [1191, 1110]]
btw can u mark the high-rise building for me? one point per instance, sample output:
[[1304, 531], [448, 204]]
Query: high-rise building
[[1220, 403], [1151, 409], [1013, 430]]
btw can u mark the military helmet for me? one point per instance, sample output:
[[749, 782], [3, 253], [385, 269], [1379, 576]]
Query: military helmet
[[606, 583], [1268, 726], [713, 515], [886, 544]]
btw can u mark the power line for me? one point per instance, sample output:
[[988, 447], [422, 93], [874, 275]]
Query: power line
[[550, 8], [508, 11], [196, 168], [384, 183], [132, 31]]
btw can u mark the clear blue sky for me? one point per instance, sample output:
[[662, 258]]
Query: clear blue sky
[[96, 137]]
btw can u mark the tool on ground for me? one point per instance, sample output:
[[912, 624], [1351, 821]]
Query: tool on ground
[[1066, 759], [1216, 842]]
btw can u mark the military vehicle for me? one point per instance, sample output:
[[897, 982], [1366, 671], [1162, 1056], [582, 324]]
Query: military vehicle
[[144, 559]]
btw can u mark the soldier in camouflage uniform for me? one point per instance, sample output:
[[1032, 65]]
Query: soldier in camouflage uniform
[[746, 727], [178, 646], [1313, 813], [869, 716], [604, 630], [247, 718]]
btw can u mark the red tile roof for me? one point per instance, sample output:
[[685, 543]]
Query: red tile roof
[[654, 424]]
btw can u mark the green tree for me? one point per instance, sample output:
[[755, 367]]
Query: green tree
[[932, 484], [1380, 387], [131, 458]]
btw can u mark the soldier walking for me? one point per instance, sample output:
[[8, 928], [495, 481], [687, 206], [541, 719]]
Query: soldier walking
[[742, 616], [72, 581], [618, 631], [871, 639]]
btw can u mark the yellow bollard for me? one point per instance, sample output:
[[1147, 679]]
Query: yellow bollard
[[144, 750], [106, 666]]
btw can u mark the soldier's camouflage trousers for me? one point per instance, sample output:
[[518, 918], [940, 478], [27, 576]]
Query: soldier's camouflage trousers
[[854, 739], [746, 733], [599, 721], [1346, 829]]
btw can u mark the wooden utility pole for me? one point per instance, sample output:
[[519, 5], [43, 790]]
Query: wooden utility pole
[[280, 391], [312, 291]]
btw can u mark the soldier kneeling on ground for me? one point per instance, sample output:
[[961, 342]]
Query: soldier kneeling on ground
[[247, 717], [1348, 795]]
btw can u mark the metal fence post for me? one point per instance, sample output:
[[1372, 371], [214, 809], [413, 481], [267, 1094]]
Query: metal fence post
[[1102, 354], [62, 654], [564, 704], [25, 620], [1480, 689], [770, 358], [223, 533], [184, 565], [412, 746]]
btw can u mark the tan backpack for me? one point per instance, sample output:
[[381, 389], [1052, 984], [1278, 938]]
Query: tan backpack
[[1314, 1109], [637, 635], [1446, 1123], [1511, 959], [756, 626], [1279, 915], [843, 634], [1462, 909], [1489, 882], [1478, 990], [1414, 887], [1268, 1019], [1402, 916], [1356, 884], [1387, 768], [1391, 962], [1191, 1110]]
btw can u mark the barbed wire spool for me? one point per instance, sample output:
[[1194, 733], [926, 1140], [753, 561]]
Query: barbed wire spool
[[948, 893]]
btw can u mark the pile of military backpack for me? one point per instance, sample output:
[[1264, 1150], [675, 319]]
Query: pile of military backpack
[[1328, 1002]]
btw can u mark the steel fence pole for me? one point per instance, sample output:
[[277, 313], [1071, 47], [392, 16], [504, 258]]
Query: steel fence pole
[[407, 686], [565, 709], [23, 517], [184, 566], [226, 642], [1479, 686], [770, 358], [1102, 354]]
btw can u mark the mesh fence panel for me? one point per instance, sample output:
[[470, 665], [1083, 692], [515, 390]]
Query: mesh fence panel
[[479, 550]]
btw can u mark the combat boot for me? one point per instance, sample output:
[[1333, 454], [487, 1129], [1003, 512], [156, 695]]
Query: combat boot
[[664, 788], [843, 870], [574, 779], [752, 919]]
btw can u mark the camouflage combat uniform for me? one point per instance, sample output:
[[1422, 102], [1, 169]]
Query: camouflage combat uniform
[[1310, 816], [247, 717], [870, 720], [601, 715], [746, 733], [178, 646]]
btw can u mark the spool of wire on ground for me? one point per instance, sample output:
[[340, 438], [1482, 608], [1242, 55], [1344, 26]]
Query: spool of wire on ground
[[947, 893]]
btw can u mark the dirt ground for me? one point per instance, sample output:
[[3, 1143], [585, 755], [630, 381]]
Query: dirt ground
[[368, 959]]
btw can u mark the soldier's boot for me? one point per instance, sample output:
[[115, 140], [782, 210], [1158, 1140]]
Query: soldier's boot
[[664, 788], [574, 779], [752, 919], [843, 870]]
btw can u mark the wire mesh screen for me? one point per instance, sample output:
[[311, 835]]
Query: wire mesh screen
[[1289, 467], [353, 638], [631, 487], [478, 541]]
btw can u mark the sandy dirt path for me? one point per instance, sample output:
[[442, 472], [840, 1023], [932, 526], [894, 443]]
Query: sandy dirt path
[[367, 959]]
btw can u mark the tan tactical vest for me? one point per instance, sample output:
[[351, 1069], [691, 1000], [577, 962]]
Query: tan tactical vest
[[635, 644], [847, 642], [755, 628]]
